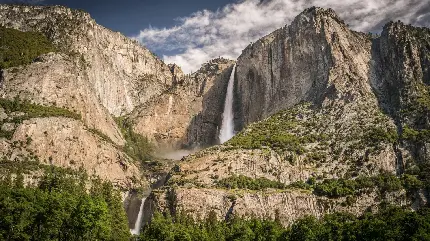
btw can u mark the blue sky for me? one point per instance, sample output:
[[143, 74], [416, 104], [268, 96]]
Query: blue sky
[[191, 32]]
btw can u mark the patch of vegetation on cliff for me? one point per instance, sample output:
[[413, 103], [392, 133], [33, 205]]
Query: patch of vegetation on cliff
[[20, 48], [137, 146], [30, 110], [416, 136], [19, 110], [244, 182], [335, 188], [376, 136], [277, 132], [307, 132], [332, 188], [61, 207], [391, 223]]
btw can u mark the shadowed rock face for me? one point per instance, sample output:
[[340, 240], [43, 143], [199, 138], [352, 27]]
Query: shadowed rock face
[[355, 85], [402, 54], [189, 114]]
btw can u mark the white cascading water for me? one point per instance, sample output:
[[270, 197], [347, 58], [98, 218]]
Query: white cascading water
[[138, 224], [227, 126]]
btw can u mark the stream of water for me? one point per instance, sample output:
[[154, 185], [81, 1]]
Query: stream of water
[[227, 126], [138, 224]]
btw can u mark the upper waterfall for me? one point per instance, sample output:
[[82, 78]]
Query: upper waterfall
[[227, 126]]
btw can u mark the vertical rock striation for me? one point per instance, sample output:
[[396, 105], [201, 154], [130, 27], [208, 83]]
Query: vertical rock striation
[[122, 72], [189, 114]]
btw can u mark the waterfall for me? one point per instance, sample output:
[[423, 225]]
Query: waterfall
[[227, 126], [138, 224]]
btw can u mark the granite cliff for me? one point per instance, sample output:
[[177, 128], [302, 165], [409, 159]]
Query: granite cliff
[[189, 114], [330, 119], [93, 72]]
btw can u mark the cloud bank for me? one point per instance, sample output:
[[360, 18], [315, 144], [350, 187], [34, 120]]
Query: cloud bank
[[205, 35]]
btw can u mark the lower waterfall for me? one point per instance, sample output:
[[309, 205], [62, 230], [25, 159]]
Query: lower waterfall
[[227, 126], [138, 224]]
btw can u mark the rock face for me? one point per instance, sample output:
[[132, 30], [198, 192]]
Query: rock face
[[299, 63], [64, 142], [351, 105], [286, 206], [56, 79], [96, 73], [402, 57], [189, 114], [122, 72]]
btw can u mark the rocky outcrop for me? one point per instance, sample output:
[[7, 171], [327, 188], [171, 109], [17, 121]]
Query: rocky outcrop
[[67, 143], [189, 114], [122, 73], [58, 80], [285, 206], [402, 57]]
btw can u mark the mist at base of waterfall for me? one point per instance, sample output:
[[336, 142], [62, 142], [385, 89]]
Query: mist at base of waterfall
[[175, 154]]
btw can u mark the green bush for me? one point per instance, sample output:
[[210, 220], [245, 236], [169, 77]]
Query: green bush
[[274, 132], [20, 48], [34, 110], [420, 136], [332, 188], [137, 146], [245, 182], [335, 188], [375, 136]]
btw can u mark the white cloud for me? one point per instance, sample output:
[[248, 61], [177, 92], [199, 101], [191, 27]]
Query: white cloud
[[205, 34]]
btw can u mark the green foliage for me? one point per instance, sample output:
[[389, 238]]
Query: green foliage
[[183, 227], [245, 182], [274, 132], [378, 135], [29, 111], [60, 208], [420, 136], [34, 110], [421, 103], [411, 182], [333, 188], [137, 146], [20, 48], [101, 135], [391, 223]]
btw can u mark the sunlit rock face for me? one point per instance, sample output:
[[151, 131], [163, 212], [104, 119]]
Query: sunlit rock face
[[122, 73]]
